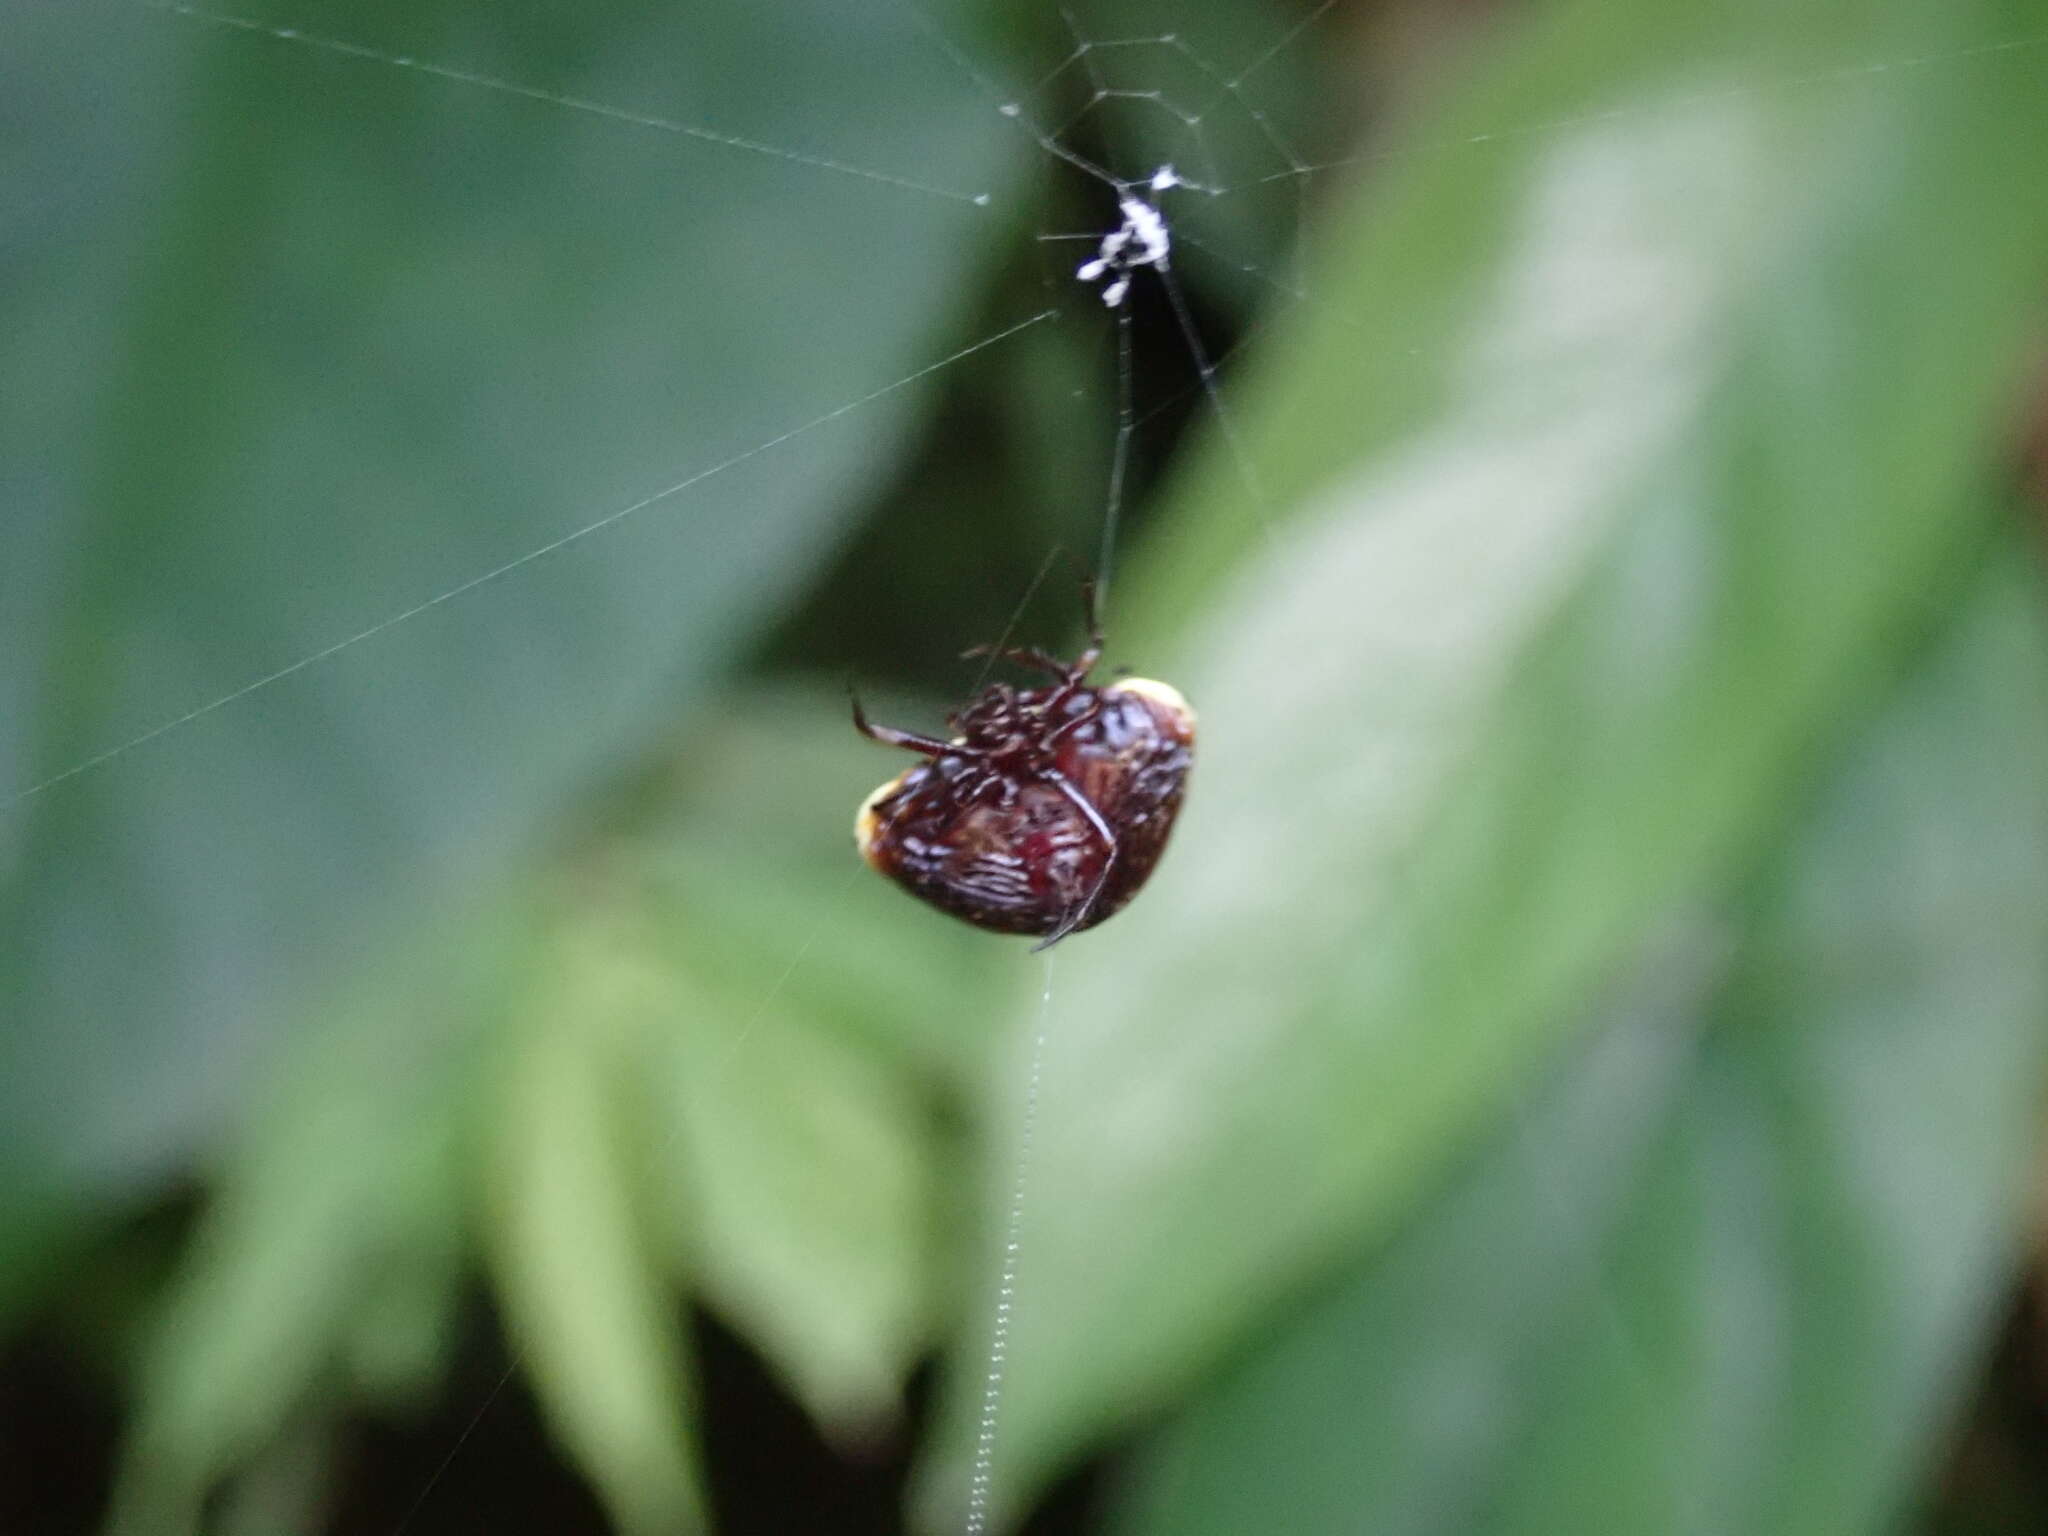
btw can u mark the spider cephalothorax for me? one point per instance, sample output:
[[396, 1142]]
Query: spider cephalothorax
[[1047, 809]]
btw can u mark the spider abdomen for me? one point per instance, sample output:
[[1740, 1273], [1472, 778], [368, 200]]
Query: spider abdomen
[[1047, 812]]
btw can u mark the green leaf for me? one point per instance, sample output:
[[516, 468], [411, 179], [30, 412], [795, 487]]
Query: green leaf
[[1745, 1322], [303, 344], [803, 1192], [811, 1023], [1665, 436], [329, 1252], [752, 863], [577, 1268], [766, 1089]]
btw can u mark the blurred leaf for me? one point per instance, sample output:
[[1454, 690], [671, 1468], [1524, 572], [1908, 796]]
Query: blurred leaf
[[767, 1091], [752, 864], [1810, 1240], [811, 1025], [301, 342], [1666, 439], [803, 1188], [403, 1323], [330, 1246], [287, 1491], [581, 1284]]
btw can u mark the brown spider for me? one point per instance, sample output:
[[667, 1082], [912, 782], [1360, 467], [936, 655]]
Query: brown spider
[[1048, 808]]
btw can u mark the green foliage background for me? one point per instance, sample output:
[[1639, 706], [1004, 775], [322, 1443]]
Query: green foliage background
[[1579, 1068]]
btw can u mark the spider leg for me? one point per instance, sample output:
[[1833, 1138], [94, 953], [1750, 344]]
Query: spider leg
[[889, 736], [1060, 731], [1094, 819], [1023, 656], [1091, 613], [1075, 673]]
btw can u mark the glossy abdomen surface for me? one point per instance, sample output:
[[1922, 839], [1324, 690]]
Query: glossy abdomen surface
[[1044, 831]]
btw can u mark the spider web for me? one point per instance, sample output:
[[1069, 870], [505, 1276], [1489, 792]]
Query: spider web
[[1160, 120], [1112, 124], [1162, 126], [1105, 114]]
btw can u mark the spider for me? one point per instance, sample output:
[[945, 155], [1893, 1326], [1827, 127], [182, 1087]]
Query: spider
[[1049, 807]]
